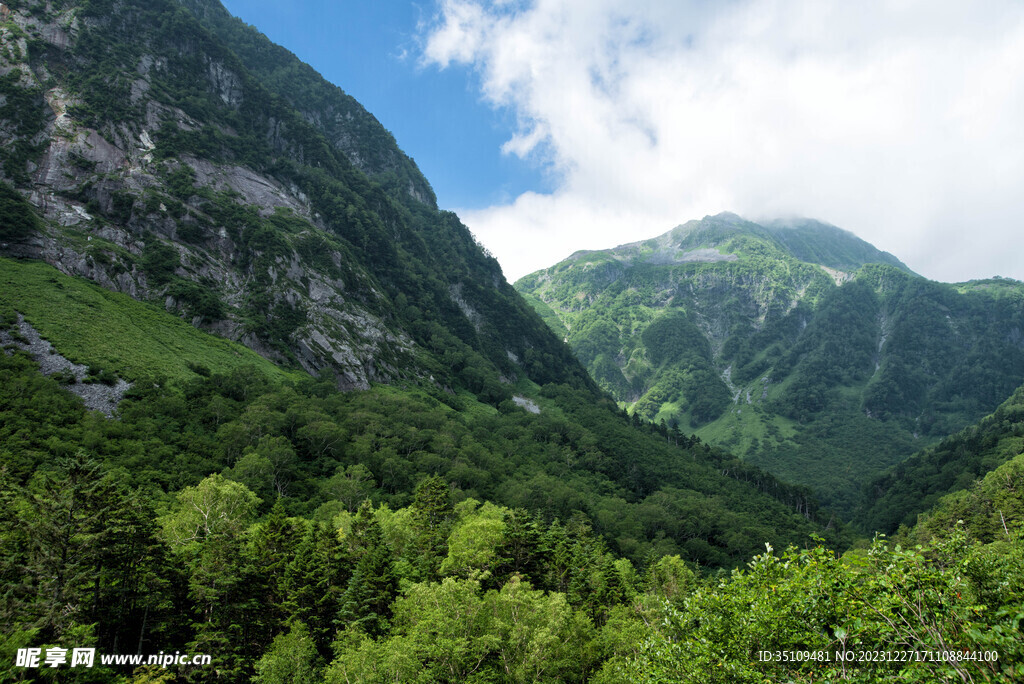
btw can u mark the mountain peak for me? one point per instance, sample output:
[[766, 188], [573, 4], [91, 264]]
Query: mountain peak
[[725, 217], [727, 236], [187, 160]]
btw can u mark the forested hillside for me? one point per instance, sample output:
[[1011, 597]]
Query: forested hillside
[[290, 433], [793, 344], [916, 485], [102, 542], [297, 533]]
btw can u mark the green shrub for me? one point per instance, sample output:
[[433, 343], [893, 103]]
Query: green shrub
[[65, 377], [17, 218], [159, 260]]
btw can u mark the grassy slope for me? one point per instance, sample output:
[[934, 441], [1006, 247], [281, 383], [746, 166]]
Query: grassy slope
[[547, 314], [94, 326]]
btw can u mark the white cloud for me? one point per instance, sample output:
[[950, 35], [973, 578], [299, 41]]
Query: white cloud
[[898, 120]]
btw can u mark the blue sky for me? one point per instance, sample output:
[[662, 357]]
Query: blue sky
[[373, 51], [552, 126]]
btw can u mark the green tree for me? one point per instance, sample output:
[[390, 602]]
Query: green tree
[[274, 543], [350, 485], [433, 507], [291, 659], [475, 540], [366, 603], [206, 529], [17, 218], [314, 583]]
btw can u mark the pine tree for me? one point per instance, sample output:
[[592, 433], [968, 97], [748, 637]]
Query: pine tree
[[433, 506], [314, 581], [556, 550], [520, 550], [274, 546], [366, 605], [132, 574]]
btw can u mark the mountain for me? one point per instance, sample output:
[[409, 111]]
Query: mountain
[[792, 343], [172, 153], [820, 243]]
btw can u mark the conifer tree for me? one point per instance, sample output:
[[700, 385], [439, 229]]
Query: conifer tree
[[274, 546], [520, 551], [314, 581], [366, 604], [131, 601], [433, 506]]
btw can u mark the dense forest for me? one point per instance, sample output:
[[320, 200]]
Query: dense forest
[[105, 545], [289, 433], [326, 551], [914, 486]]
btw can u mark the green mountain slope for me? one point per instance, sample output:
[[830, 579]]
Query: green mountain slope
[[97, 327], [172, 153], [794, 344], [990, 510], [821, 243], [338, 116]]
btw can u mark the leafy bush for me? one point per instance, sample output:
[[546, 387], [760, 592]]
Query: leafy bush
[[933, 600], [100, 375], [199, 299], [159, 261], [65, 377], [181, 182]]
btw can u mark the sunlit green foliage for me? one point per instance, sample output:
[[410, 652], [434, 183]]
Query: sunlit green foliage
[[955, 597], [989, 510]]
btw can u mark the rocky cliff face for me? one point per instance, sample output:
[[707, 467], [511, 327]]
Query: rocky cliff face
[[176, 155]]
